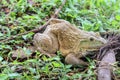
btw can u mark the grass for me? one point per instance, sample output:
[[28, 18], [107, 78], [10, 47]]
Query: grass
[[18, 16]]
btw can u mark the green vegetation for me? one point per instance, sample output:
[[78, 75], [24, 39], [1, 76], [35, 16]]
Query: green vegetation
[[19, 16]]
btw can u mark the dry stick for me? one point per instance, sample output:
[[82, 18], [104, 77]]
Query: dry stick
[[105, 66], [37, 29]]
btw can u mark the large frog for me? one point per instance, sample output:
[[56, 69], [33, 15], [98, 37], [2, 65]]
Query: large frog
[[71, 41]]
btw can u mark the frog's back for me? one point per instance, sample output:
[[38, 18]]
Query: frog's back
[[68, 37]]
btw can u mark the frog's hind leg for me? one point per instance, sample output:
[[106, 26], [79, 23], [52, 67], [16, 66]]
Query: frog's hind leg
[[72, 59]]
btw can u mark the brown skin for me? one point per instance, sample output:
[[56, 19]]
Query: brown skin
[[71, 41]]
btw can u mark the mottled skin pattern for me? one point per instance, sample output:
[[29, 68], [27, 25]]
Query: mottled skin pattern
[[71, 41]]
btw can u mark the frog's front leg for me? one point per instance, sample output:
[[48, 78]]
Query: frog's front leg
[[74, 60]]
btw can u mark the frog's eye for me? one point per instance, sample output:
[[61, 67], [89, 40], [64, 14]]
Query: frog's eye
[[91, 39]]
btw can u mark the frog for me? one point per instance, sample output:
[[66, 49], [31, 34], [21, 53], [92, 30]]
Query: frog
[[72, 42]]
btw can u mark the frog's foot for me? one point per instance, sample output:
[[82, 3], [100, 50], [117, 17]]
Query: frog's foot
[[47, 54], [72, 59]]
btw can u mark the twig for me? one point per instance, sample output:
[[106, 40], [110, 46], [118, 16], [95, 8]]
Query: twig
[[37, 29]]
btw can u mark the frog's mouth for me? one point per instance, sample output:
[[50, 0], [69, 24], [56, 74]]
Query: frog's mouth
[[91, 46]]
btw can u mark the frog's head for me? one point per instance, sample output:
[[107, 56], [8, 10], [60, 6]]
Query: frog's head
[[91, 41]]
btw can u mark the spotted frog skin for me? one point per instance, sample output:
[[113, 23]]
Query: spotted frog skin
[[71, 41]]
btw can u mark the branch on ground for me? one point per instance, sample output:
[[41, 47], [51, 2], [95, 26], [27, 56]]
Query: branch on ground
[[107, 57], [106, 66]]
